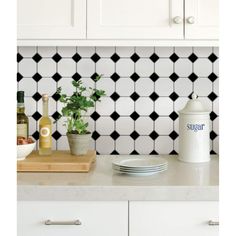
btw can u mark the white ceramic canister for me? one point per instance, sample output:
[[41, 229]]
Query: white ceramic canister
[[194, 137]]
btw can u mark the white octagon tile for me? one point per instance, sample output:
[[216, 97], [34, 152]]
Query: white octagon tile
[[202, 67], [105, 125], [124, 145], [164, 67], [28, 85], [47, 67], [66, 67], [105, 145], [105, 67], [144, 125], [86, 67], [163, 125], [144, 145], [163, 106], [124, 106], [144, 87], [125, 67], [164, 86], [183, 87], [124, 125], [183, 67], [125, 86], [203, 87], [163, 145], [144, 106], [27, 67]]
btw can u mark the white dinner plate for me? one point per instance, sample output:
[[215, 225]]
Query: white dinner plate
[[140, 162], [138, 173], [139, 170]]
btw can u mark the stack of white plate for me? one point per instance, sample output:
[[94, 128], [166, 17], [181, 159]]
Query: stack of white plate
[[140, 165]]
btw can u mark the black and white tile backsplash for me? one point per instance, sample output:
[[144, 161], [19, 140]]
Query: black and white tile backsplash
[[145, 87]]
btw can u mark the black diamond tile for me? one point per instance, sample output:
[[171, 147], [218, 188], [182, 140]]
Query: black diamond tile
[[135, 57], [56, 77], [37, 57], [114, 152], [56, 57], [213, 135], [212, 57], [115, 57], [95, 57], [76, 57], [154, 96], [193, 77], [134, 152], [134, 115], [134, 96], [134, 77], [115, 96], [56, 115], [153, 153], [19, 57], [190, 95], [212, 77], [96, 96], [98, 153], [173, 115], [35, 135], [154, 57], [56, 135], [37, 77], [134, 135], [174, 57], [212, 152], [153, 115], [76, 76], [95, 116], [94, 76], [114, 135], [213, 115], [192, 57], [95, 135], [56, 96], [153, 135], [173, 152], [173, 135], [154, 77], [115, 77], [212, 96], [36, 115], [36, 96], [174, 77], [115, 116], [174, 96], [19, 77]]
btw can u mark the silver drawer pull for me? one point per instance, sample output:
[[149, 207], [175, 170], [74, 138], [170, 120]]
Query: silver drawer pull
[[213, 223], [75, 222]]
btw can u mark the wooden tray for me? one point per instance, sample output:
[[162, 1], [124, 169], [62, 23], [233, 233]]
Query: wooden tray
[[59, 161]]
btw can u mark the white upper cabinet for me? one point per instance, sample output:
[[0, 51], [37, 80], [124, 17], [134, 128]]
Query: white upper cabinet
[[51, 19], [201, 19], [135, 19], [118, 22]]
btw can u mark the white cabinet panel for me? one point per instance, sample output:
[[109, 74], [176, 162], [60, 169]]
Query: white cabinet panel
[[97, 218], [51, 19], [201, 19], [173, 218], [134, 19]]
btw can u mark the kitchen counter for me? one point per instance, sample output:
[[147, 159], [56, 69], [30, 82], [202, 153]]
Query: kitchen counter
[[181, 182]]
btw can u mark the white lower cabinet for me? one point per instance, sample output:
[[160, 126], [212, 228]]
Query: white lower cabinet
[[164, 218], [96, 218]]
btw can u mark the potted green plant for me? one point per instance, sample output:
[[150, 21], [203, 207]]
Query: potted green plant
[[74, 108]]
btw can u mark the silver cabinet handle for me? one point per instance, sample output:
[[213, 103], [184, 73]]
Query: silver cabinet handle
[[191, 20], [50, 222], [213, 223], [178, 20]]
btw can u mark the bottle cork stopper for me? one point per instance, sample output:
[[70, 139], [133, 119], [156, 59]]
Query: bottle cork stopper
[[45, 97]]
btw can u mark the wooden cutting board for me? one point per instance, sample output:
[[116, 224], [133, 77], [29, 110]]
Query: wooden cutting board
[[59, 161]]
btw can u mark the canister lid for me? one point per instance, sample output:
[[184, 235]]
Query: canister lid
[[194, 106]]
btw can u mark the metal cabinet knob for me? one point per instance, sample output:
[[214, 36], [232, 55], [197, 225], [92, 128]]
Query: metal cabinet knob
[[50, 222], [213, 223], [191, 20], [177, 20]]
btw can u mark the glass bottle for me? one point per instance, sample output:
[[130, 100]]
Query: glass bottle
[[22, 119], [45, 130]]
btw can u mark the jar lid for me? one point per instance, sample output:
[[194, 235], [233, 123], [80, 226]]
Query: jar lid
[[194, 106]]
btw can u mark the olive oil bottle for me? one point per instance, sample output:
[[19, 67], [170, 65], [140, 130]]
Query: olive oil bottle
[[22, 119], [45, 130]]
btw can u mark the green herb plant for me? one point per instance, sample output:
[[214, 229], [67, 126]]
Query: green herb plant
[[76, 105]]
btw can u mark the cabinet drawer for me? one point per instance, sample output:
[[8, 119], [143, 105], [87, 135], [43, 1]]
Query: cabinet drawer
[[173, 218], [97, 218]]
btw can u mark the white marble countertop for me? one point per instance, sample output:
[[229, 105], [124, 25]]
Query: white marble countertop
[[181, 182]]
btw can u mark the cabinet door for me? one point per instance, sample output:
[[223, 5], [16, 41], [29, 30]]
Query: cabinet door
[[51, 19], [135, 19], [201, 19], [173, 218], [97, 218]]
